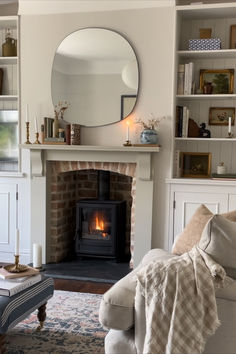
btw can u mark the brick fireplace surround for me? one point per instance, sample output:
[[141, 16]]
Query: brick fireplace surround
[[43, 165], [72, 180]]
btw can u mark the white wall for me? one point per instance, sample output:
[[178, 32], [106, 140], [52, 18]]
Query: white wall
[[151, 33]]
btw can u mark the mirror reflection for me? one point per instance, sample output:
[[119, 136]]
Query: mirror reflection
[[96, 71]]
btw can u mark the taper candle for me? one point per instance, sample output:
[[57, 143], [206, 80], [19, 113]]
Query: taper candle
[[127, 137], [229, 127], [36, 124], [27, 114], [17, 242], [37, 255]]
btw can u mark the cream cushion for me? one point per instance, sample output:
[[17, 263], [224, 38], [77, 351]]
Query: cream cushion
[[219, 241], [117, 305], [193, 230]]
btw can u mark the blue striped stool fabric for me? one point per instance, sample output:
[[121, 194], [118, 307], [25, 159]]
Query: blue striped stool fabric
[[15, 308]]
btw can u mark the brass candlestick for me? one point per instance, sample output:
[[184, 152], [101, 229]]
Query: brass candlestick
[[16, 268], [127, 143], [27, 133], [37, 138], [230, 135]]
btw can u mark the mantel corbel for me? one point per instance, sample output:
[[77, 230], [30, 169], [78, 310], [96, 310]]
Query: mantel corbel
[[36, 161], [144, 166]]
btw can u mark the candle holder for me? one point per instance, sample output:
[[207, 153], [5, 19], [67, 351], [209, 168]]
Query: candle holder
[[37, 138], [127, 143], [27, 133], [16, 267], [230, 135]]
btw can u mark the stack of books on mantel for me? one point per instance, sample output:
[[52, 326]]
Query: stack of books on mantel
[[13, 283]]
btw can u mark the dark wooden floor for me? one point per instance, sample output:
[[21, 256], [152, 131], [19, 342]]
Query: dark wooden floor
[[80, 286]]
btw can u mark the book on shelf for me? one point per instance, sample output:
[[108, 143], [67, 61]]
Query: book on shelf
[[4, 274], [67, 133], [75, 134], [185, 78], [181, 121], [177, 164], [225, 176], [180, 80], [48, 127], [11, 287]]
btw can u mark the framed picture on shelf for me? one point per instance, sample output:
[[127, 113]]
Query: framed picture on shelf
[[221, 80], [127, 105], [195, 164], [220, 115], [233, 37]]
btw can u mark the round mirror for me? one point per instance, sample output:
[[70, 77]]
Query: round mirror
[[96, 71]]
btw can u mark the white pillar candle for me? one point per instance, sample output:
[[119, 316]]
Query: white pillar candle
[[37, 255], [17, 242], [36, 124], [127, 136], [229, 127], [27, 114]]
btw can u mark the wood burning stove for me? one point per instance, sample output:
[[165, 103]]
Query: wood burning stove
[[101, 224]]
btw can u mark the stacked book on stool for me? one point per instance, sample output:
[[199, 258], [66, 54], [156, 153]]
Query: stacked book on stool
[[13, 283]]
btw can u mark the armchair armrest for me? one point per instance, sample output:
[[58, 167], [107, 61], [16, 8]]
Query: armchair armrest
[[117, 305]]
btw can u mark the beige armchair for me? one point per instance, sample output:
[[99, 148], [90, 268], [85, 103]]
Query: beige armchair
[[122, 311]]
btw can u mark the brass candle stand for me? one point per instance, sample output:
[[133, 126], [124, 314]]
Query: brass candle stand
[[37, 138], [230, 135], [16, 268], [27, 133], [127, 143]]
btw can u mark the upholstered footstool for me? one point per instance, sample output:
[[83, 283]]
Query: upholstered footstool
[[16, 308]]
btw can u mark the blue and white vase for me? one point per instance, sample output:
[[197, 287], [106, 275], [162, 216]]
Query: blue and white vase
[[149, 136]]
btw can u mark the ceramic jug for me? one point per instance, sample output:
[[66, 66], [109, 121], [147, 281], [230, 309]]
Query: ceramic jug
[[149, 136], [9, 48]]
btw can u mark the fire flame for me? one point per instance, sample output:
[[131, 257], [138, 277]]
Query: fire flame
[[99, 224]]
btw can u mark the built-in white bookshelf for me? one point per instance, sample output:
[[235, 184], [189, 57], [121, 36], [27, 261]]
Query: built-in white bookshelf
[[9, 98], [219, 17]]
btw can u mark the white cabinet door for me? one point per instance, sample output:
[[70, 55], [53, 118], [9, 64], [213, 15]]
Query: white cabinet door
[[187, 202], [8, 218]]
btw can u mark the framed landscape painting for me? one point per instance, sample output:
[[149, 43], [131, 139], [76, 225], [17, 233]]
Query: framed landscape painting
[[222, 80]]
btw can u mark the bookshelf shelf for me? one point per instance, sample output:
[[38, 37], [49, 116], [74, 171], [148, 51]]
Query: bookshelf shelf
[[8, 97], [208, 97], [208, 54], [8, 60], [206, 139]]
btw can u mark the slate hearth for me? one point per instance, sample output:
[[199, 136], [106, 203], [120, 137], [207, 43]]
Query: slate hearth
[[88, 269]]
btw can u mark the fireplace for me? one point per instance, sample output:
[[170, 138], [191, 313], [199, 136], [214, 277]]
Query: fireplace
[[45, 166], [100, 228]]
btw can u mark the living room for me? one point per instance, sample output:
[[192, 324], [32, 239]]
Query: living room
[[36, 192]]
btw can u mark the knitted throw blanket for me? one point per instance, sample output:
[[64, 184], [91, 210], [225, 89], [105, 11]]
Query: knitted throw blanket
[[180, 302]]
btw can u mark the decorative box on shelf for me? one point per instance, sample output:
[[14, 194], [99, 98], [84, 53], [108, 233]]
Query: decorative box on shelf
[[205, 44]]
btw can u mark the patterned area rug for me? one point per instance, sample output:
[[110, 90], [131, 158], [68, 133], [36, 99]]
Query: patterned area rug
[[71, 326]]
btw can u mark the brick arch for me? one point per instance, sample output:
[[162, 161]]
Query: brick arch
[[128, 169]]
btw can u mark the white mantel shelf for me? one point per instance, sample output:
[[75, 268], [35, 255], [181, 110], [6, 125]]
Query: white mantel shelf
[[40, 154], [90, 148]]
